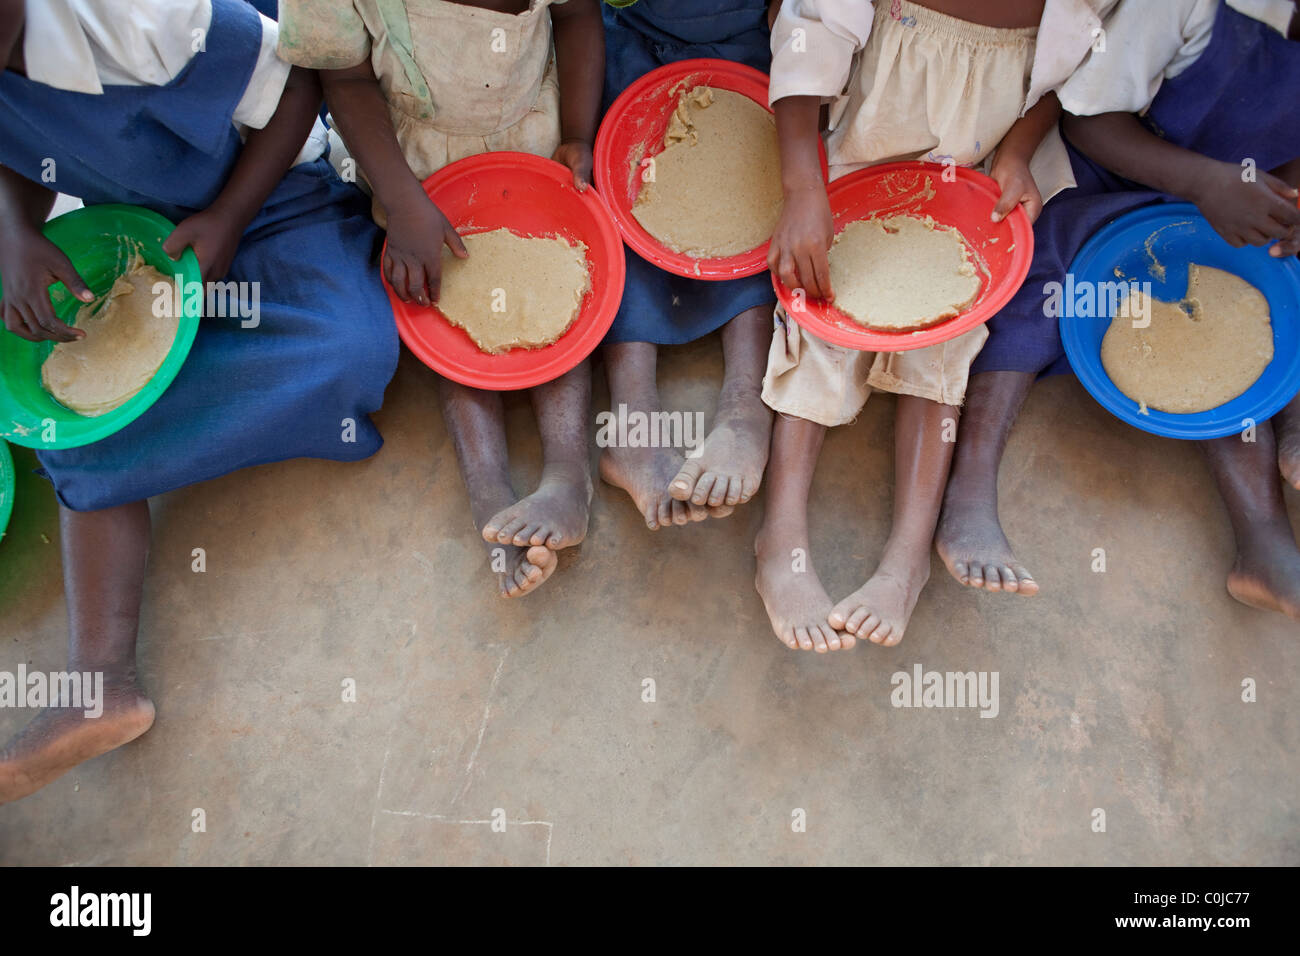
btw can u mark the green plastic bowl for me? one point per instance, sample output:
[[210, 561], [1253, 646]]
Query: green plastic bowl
[[6, 487], [100, 241]]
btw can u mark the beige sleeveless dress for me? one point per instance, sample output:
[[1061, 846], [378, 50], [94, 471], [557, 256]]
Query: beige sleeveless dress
[[459, 80]]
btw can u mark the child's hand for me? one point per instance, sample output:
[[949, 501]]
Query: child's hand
[[214, 237], [1018, 188], [798, 254], [1249, 213], [29, 265], [413, 260], [576, 154]]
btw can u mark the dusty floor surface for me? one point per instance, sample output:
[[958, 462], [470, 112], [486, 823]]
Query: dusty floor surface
[[1118, 691]]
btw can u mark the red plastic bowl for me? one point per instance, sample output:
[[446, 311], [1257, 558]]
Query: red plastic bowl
[[1002, 250], [634, 128], [535, 197]]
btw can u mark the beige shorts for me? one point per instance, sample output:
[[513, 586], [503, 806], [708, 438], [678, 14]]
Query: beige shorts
[[828, 384]]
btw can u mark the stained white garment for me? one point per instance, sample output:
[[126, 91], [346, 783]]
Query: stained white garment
[[84, 45], [814, 43], [1150, 42], [818, 49]]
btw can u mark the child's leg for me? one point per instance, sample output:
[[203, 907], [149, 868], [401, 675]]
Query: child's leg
[[1266, 573], [104, 556], [476, 422], [555, 515], [879, 610], [644, 473], [796, 602], [730, 467], [970, 538], [1287, 426]]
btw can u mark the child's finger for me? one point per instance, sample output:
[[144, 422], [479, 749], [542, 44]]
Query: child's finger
[[34, 331], [453, 240], [433, 279], [1272, 229], [1285, 211], [1033, 206], [41, 311], [179, 240], [16, 324], [786, 272], [1006, 202], [62, 269], [821, 265], [1280, 188], [815, 277], [398, 280], [1287, 247], [416, 282]]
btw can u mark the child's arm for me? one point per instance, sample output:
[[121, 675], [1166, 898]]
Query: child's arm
[[215, 232], [802, 238], [1242, 212], [580, 62], [417, 228], [1011, 164], [30, 263]]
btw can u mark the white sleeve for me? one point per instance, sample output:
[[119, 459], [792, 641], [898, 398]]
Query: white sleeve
[[266, 85], [83, 45], [813, 45], [1144, 44]]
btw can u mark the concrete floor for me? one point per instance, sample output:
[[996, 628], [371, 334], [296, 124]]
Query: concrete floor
[[1119, 690]]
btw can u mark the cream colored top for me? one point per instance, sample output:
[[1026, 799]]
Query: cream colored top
[[467, 69], [822, 48]]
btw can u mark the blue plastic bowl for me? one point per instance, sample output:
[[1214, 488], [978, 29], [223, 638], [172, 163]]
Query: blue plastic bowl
[[1179, 236]]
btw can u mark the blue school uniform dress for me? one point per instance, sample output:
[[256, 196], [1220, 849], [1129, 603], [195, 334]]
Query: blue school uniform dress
[[658, 306], [1236, 100], [299, 385]]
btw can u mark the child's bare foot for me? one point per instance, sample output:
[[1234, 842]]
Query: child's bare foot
[[644, 473], [555, 515], [1267, 576], [880, 609], [976, 551], [60, 738], [521, 570], [797, 604], [729, 468]]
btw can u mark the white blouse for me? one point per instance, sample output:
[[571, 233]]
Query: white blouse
[[84, 45], [1148, 43]]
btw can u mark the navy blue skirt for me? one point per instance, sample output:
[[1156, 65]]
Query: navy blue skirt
[[302, 384], [658, 306]]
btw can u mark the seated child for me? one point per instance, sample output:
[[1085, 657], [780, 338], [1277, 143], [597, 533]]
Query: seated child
[[660, 308], [1183, 94], [129, 113], [413, 86], [954, 81]]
